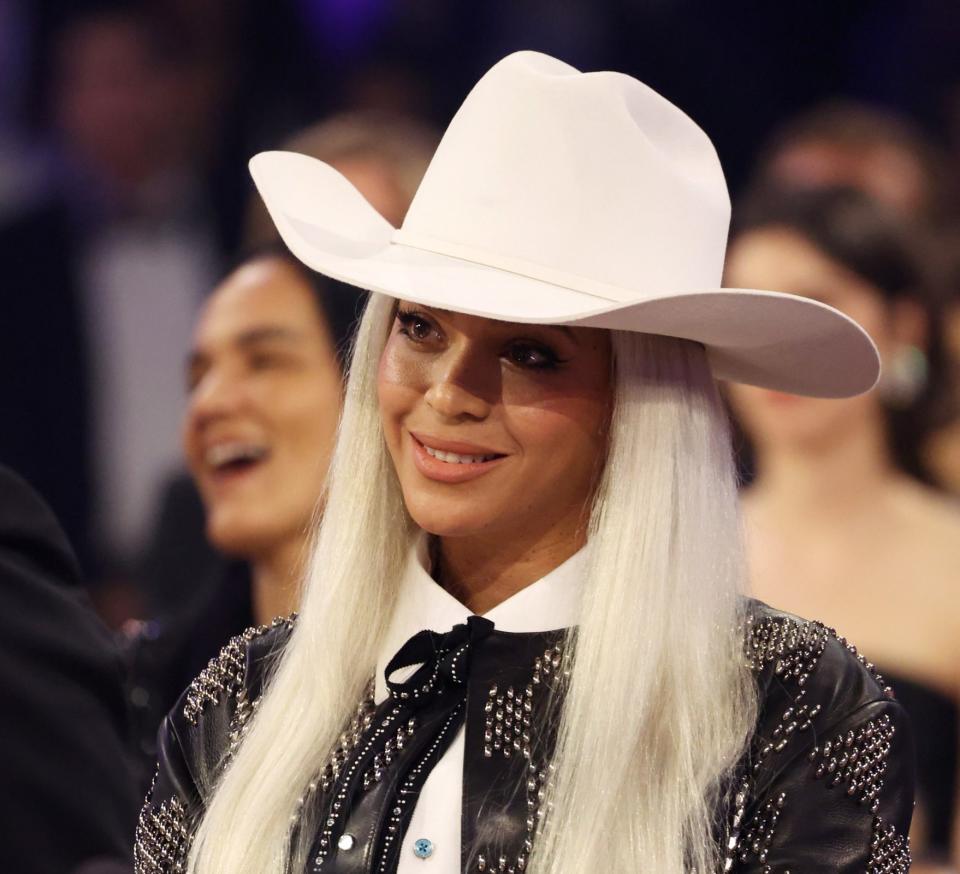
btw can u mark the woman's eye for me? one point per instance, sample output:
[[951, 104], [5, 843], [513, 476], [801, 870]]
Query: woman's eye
[[261, 361], [414, 326], [272, 360], [532, 356]]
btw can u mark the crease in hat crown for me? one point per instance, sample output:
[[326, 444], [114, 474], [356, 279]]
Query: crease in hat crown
[[592, 181]]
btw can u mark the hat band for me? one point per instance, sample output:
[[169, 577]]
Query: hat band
[[519, 266]]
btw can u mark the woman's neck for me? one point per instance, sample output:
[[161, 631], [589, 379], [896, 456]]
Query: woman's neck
[[829, 479], [482, 572], [276, 581]]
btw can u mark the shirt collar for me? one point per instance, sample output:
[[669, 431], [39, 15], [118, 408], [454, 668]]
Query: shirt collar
[[550, 603]]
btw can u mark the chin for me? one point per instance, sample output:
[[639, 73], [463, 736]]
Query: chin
[[443, 520], [238, 538]]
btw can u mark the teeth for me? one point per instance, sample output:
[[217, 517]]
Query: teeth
[[453, 458], [227, 453]]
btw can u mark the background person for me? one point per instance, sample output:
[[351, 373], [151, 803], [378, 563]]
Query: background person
[[264, 393], [264, 387], [66, 787], [888, 156], [842, 522]]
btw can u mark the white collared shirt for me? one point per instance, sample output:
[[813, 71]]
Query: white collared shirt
[[550, 603]]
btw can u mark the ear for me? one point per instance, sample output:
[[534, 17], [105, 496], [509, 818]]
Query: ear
[[909, 325]]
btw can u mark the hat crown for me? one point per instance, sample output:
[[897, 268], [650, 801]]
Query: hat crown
[[590, 175]]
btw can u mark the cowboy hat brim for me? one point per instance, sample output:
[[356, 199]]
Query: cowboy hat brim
[[763, 338]]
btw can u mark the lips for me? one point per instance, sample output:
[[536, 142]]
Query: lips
[[454, 458], [223, 455], [227, 460], [781, 399], [451, 461]]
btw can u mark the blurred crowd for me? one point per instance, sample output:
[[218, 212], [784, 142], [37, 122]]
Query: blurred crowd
[[170, 377]]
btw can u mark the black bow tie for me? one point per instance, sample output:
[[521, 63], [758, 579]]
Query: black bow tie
[[444, 660], [471, 674]]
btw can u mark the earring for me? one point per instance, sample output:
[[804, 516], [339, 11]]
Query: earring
[[904, 377]]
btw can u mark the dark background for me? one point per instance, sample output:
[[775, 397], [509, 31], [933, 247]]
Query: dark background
[[738, 68], [229, 78]]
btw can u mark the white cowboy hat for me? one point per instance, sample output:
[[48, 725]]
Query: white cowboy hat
[[561, 197]]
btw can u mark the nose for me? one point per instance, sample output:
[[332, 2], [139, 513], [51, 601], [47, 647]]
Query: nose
[[218, 394], [463, 383]]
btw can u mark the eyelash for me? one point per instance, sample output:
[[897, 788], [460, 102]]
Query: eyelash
[[407, 318]]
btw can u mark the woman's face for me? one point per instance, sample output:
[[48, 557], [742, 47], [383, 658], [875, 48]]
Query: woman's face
[[263, 408], [495, 429], [781, 259]]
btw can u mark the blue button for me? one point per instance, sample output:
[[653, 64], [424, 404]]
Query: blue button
[[422, 848]]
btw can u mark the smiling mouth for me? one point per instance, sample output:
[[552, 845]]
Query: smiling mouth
[[235, 457], [455, 458], [447, 466]]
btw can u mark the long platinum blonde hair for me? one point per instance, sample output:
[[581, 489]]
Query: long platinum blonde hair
[[660, 702]]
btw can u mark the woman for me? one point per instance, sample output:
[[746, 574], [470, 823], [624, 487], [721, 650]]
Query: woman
[[264, 392], [384, 157], [841, 519], [264, 387], [515, 441]]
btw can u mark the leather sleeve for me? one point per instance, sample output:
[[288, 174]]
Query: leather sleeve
[[170, 811], [841, 806], [195, 742], [830, 783]]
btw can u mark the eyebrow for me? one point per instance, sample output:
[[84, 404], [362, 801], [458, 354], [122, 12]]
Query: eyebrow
[[266, 334], [251, 337]]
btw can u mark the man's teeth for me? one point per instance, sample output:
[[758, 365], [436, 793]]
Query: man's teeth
[[229, 453], [454, 458]]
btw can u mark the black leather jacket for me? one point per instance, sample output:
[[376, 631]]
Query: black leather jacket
[[827, 784]]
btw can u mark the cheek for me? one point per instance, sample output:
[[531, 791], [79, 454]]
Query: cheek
[[869, 311], [561, 433], [402, 367], [562, 446], [308, 421], [873, 321], [401, 382], [747, 404], [190, 443], [777, 417]]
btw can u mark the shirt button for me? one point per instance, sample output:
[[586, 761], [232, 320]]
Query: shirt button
[[423, 848], [345, 842]]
